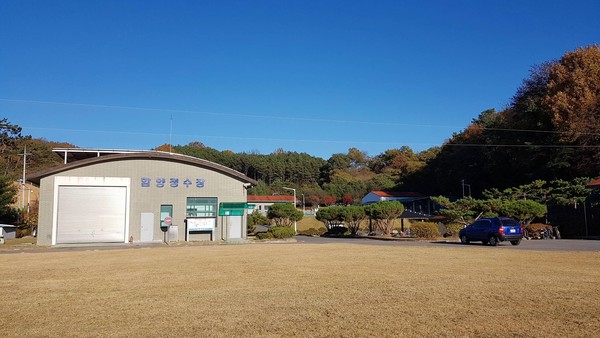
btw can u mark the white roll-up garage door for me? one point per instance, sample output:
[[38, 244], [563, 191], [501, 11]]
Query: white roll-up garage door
[[91, 214]]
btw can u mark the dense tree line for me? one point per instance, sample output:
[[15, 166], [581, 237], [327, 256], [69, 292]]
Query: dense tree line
[[343, 178]]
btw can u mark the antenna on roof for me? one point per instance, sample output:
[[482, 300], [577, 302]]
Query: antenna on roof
[[171, 136]]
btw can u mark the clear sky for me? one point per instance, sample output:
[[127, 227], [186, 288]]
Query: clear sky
[[308, 76]]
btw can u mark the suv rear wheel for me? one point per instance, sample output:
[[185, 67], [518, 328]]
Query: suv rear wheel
[[515, 242], [493, 241]]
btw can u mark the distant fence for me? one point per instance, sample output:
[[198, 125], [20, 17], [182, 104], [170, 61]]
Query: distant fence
[[580, 221]]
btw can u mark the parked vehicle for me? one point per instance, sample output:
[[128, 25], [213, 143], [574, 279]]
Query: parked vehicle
[[492, 231]]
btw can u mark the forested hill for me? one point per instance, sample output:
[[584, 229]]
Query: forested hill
[[550, 130]]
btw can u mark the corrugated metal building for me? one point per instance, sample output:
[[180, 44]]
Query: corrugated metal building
[[132, 196]]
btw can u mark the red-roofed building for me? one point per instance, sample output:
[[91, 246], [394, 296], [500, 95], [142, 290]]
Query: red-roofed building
[[594, 184], [262, 203]]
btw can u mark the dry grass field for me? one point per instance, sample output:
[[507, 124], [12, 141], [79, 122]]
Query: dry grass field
[[274, 290]]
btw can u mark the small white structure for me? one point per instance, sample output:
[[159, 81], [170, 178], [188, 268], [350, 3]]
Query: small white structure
[[262, 203], [380, 196], [8, 231]]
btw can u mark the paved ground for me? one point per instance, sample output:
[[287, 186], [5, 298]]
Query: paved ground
[[540, 245], [544, 245]]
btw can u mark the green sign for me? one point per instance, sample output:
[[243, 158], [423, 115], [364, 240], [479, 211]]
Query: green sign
[[234, 209]]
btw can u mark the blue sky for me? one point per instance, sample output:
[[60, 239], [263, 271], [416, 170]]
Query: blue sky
[[308, 76]]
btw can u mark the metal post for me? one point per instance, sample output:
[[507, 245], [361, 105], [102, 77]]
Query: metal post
[[28, 199], [25, 153], [585, 218], [295, 223]]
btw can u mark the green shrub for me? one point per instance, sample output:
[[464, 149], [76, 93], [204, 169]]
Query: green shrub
[[264, 235], [282, 232], [258, 219], [425, 230], [284, 214]]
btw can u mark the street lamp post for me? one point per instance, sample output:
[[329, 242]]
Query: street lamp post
[[23, 181], [295, 223], [303, 205]]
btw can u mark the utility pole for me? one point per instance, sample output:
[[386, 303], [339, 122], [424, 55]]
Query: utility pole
[[25, 153]]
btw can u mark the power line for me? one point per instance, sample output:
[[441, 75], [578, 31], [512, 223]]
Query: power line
[[320, 141], [301, 119], [225, 137], [521, 145], [542, 131], [291, 118]]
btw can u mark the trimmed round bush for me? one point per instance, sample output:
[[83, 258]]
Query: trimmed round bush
[[282, 232], [424, 230]]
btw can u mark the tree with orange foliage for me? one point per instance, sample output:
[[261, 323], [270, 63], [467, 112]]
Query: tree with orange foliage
[[573, 95]]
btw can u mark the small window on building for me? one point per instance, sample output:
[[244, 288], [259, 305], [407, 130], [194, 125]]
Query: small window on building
[[201, 207]]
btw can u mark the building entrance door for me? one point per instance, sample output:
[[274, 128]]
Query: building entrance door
[[147, 227], [235, 227]]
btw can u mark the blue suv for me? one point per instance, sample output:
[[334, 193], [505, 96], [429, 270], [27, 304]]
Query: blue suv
[[492, 231]]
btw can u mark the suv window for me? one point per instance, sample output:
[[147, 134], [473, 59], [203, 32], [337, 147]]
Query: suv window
[[482, 223], [509, 222]]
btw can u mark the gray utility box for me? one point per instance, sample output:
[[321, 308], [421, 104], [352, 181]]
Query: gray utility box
[[173, 234]]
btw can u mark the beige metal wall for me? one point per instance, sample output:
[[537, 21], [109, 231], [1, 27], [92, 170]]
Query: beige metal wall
[[149, 199]]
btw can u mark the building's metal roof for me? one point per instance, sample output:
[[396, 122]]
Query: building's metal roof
[[77, 154], [140, 155], [270, 198], [594, 184], [398, 194]]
